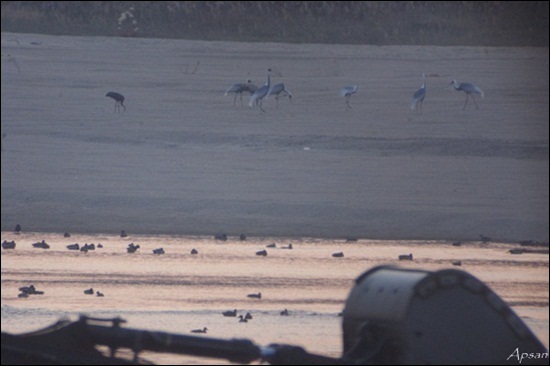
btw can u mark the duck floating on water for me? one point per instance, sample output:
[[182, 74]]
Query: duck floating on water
[[158, 251], [262, 253], [230, 313], [203, 330]]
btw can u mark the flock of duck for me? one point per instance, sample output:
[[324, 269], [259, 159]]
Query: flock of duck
[[242, 318], [25, 291], [30, 290], [133, 248], [90, 291]]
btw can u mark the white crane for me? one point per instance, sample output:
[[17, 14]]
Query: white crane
[[346, 92], [418, 97], [469, 89]]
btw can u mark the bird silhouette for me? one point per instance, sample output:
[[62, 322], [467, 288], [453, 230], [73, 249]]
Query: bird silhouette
[[230, 313], [277, 89], [260, 93], [469, 89], [346, 92], [242, 319], [119, 100], [239, 89], [203, 330], [418, 97]]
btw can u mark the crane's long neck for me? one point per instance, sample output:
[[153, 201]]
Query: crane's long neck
[[268, 79]]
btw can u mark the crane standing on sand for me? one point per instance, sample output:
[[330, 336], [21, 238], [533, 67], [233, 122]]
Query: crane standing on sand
[[418, 97], [277, 89], [259, 94], [346, 92], [469, 89], [239, 89], [119, 100]]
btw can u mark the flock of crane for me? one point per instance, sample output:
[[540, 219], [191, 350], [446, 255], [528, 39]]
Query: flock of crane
[[257, 94], [468, 88]]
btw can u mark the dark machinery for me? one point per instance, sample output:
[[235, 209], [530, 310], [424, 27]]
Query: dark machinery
[[392, 316], [405, 316]]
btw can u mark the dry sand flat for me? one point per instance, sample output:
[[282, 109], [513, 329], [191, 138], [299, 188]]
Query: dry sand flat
[[183, 160]]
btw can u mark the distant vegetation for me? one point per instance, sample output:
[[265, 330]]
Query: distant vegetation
[[484, 23]]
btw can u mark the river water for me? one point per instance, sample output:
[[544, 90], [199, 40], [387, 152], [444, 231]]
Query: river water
[[179, 291]]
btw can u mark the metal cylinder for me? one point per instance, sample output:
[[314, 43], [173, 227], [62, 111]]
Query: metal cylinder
[[407, 316]]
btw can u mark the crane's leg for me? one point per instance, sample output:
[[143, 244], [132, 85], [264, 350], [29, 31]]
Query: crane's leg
[[466, 102], [474, 99], [347, 102], [241, 94], [420, 106], [277, 100]]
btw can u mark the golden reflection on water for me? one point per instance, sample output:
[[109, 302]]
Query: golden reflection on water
[[178, 291]]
